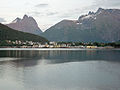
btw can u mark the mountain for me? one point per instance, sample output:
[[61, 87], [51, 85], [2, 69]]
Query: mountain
[[26, 24], [100, 26], [7, 33]]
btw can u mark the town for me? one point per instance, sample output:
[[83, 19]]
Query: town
[[31, 44]]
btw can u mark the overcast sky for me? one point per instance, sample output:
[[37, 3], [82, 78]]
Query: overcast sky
[[49, 12]]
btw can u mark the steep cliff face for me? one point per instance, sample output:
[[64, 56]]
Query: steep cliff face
[[27, 24], [101, 26], [105, 21]]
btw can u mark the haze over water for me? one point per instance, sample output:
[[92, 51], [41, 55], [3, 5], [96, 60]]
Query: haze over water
[[54, 69]]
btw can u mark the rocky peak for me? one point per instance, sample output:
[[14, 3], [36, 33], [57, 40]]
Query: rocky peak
[[26, 24], [16, 20], [91, 13], [100, 10], [25, 16]]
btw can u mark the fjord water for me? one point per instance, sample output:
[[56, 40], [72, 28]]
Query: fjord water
[[59, 69]]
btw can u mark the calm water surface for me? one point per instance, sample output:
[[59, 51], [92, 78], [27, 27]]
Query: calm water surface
[[55, 69]]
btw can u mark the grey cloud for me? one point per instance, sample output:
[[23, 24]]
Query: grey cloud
[[45, 13], [41, 5], [65, 15], [72, 14], [35, 13], [2, 20], [107, 3], [51, 13]]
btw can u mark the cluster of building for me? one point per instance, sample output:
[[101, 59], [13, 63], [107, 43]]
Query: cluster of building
[[31, 44], [72, 45]]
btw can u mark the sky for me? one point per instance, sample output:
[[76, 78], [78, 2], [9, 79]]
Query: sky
[[49, 12]]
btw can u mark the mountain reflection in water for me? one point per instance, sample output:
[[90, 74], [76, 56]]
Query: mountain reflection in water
[[59, 69], [21, 57]]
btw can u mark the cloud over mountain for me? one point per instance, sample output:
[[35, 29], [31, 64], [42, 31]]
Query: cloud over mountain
[[107, 3], [41, 5], [2, 20]]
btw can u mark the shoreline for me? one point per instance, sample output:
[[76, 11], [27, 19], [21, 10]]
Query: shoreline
[[59, 48]]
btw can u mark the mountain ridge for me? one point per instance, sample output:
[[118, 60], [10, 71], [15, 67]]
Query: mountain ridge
[[7, 33], [26, 24], [100, 26]]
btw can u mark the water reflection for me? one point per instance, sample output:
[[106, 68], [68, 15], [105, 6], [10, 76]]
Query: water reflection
[[57, 56], [60, 70]]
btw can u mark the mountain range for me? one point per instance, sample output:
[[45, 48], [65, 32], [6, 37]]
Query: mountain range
[[100, 26], [26, 24]]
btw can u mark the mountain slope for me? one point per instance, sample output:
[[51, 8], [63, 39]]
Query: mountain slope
[[7, 33], [101, 26], [27, 24]]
